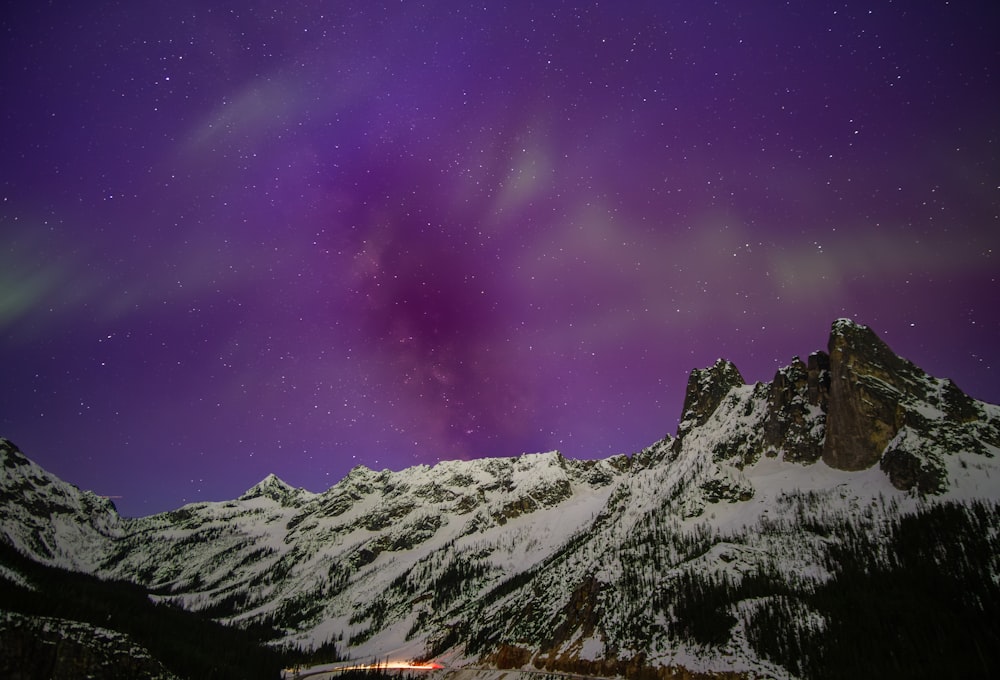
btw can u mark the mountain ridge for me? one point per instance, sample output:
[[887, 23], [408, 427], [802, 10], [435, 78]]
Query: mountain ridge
[[549, 562]]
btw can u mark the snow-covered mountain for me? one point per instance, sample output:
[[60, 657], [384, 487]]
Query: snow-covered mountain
[[715, 551], [52, 520]]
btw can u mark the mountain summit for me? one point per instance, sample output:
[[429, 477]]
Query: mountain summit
[[275, 489], [769, 538]]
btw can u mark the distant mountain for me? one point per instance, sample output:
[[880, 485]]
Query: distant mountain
[[840, 520]]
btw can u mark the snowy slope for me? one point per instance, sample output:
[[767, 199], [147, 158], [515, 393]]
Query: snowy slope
[[50, 519], [314, 562]]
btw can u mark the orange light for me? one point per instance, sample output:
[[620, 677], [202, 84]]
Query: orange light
[[407, 666]]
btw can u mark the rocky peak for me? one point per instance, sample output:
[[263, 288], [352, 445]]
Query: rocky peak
[[54, 517], [275, 489], [852, 344], [10, 455], [361, 475], [25, 484], [797, 402], [857, 406], [706, 389], [868, 382]]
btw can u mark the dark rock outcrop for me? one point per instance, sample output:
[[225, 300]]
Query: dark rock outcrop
[[868, 382], [796, 409], [706, 388], [857, 406], [907, 471]]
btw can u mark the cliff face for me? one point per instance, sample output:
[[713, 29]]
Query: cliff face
[[705, 391], [798, 394], [856, 406], [884, 410], [868, 385]]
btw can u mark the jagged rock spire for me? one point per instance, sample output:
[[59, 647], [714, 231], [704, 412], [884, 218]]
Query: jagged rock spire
[[867, 383], [795, 393], [705, 391]]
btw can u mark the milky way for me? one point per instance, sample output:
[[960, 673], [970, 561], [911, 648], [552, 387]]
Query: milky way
[[242, 238]]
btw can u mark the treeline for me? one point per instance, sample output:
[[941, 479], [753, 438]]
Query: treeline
[[374, 674], [187, 644], [920, 601], [931, 611]]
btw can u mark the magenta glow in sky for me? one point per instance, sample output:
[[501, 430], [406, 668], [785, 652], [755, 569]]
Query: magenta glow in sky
[[242, 238]]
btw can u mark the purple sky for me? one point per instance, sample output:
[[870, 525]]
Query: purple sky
[[249, 237]]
